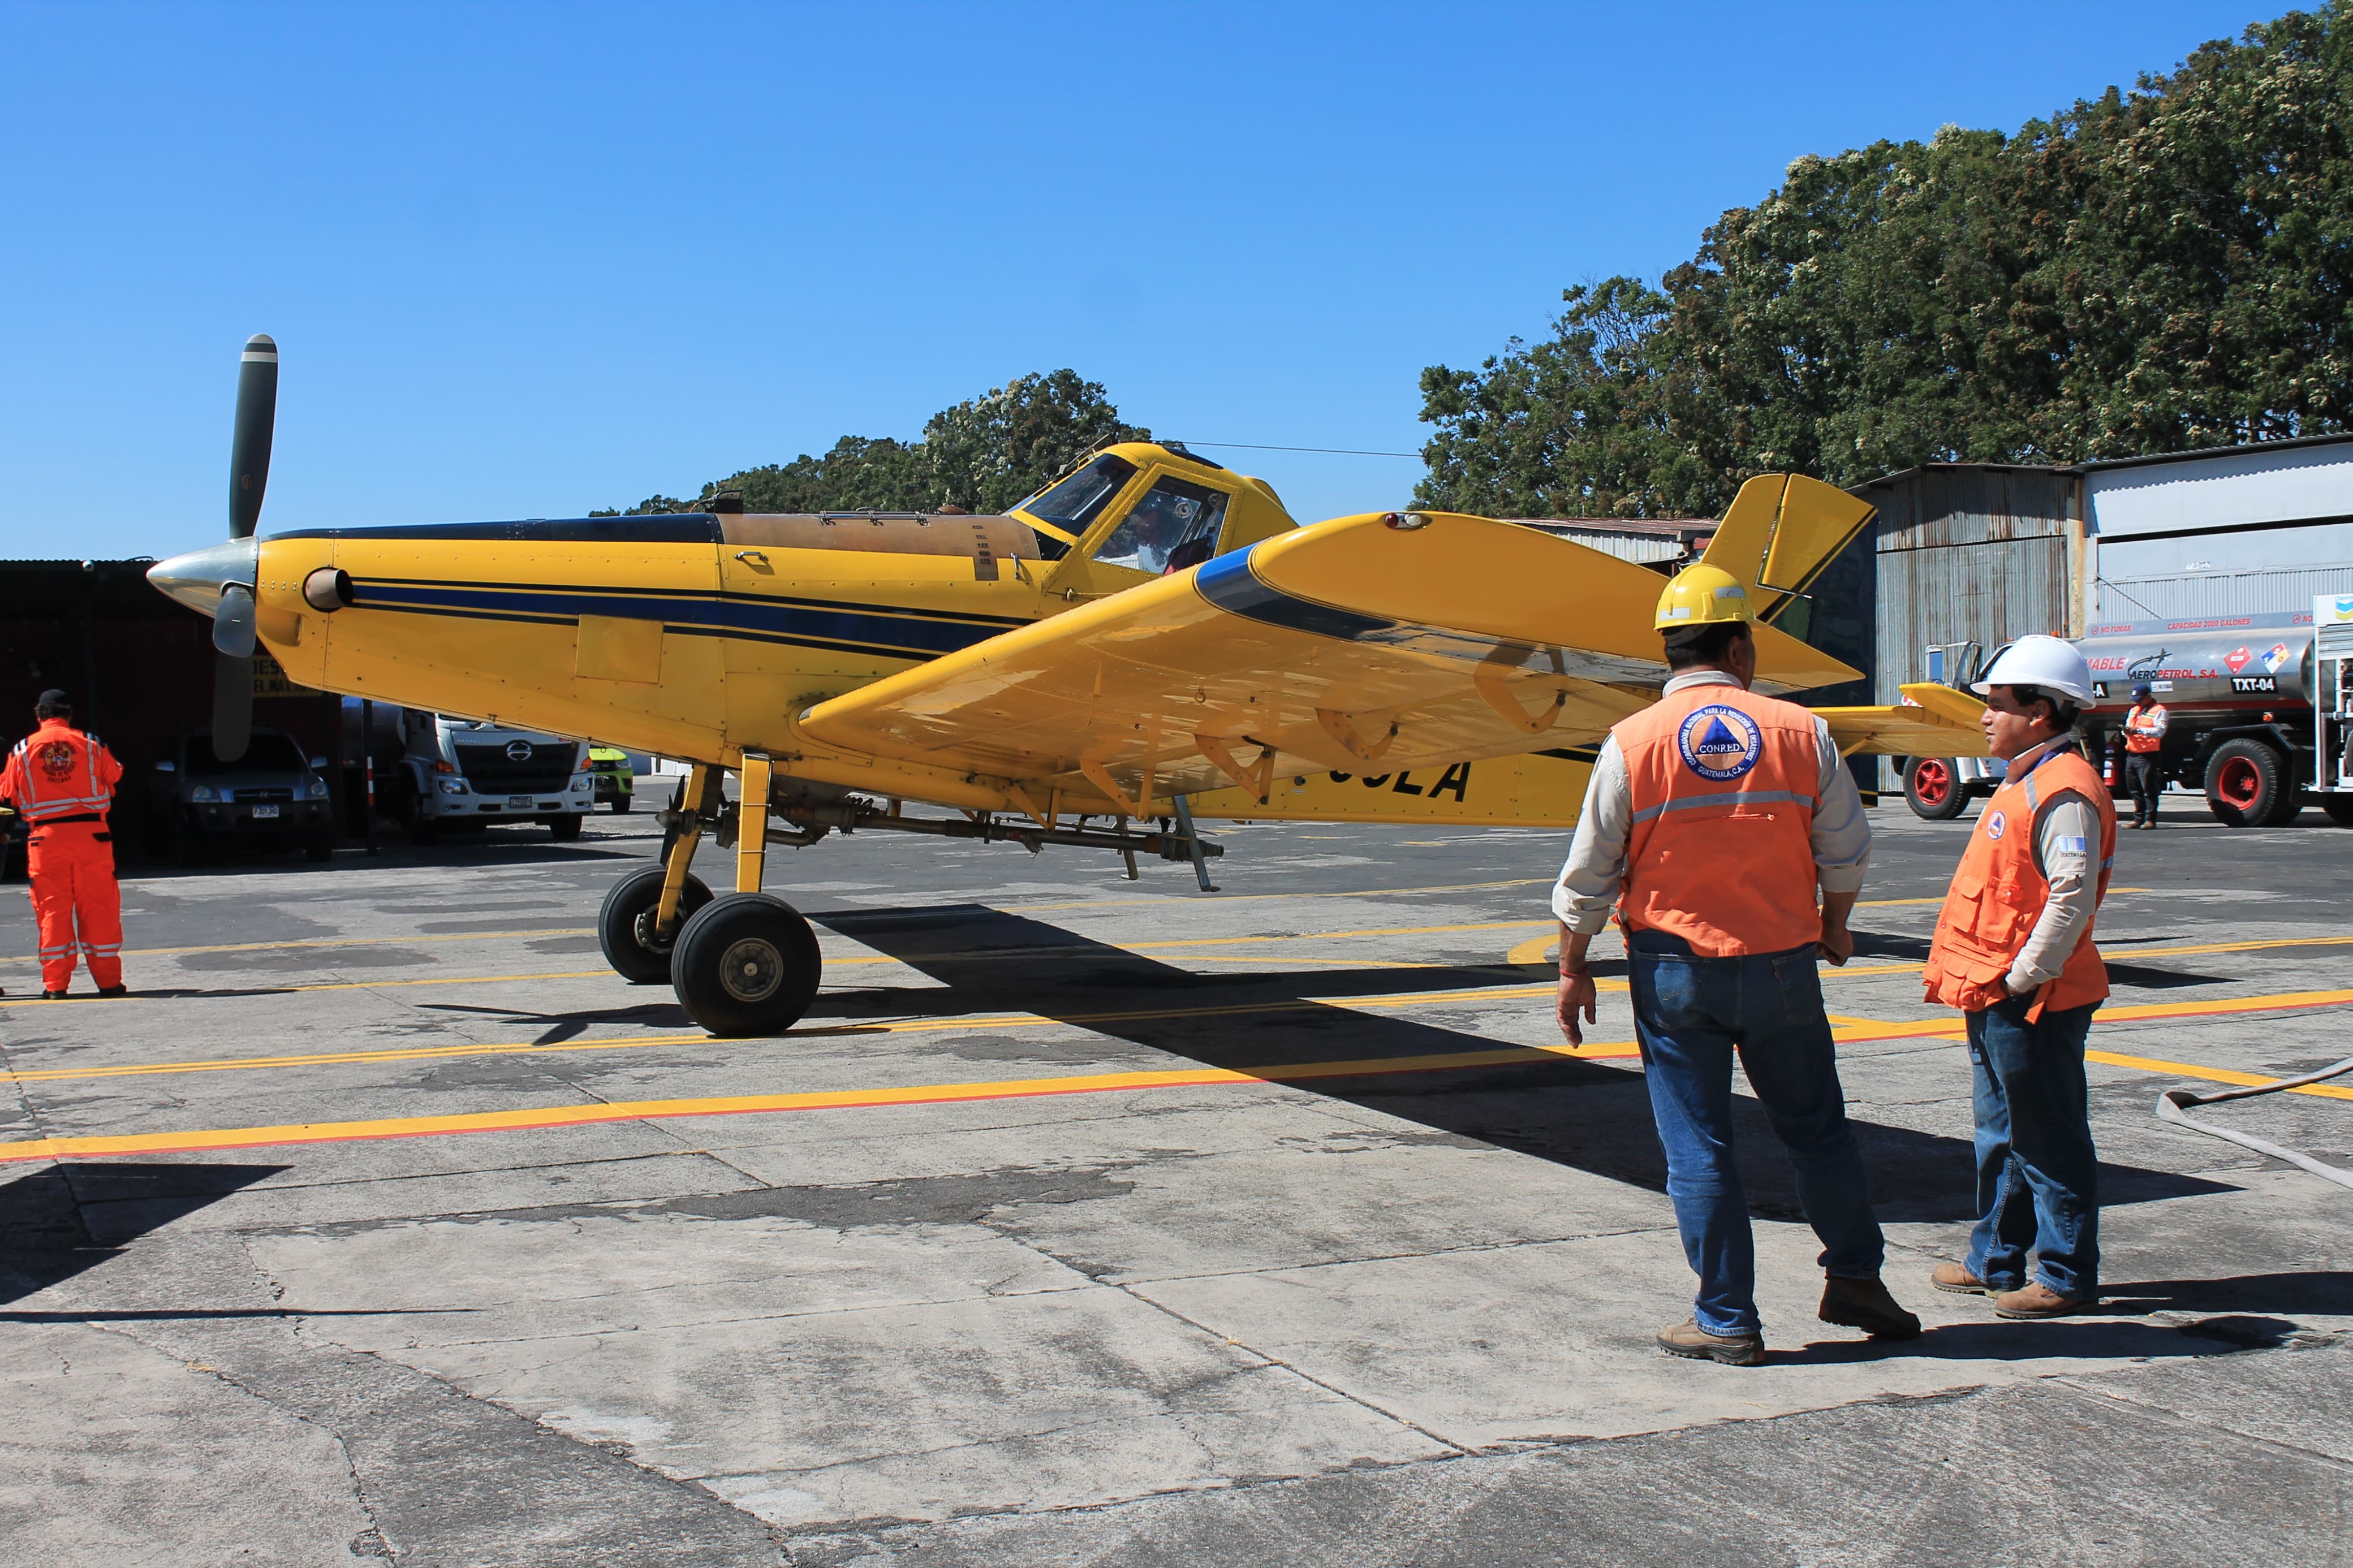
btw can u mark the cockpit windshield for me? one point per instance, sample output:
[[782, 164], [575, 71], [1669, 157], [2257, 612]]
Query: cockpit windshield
[[1074, 503], [1173, 526]]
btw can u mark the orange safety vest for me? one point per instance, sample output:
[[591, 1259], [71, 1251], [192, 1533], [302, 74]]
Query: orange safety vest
[[1999, 890], [2140, 730], [1724, 784], [58, 771]]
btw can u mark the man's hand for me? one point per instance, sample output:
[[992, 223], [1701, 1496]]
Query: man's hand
[[1576, 996], [1837, 943]]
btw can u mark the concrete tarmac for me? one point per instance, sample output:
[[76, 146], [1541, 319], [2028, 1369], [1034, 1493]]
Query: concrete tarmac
[[1088, 1221]]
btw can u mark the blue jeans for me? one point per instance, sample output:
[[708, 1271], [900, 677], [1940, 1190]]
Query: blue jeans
[[2038, 1174], [1691, 1014]]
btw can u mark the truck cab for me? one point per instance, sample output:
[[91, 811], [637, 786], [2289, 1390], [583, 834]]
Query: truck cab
[[464, 775]]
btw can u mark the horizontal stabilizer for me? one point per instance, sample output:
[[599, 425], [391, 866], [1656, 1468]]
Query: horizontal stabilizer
[[1931, 721]]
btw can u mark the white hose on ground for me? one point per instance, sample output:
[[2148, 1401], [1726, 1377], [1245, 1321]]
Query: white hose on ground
[[2174, 1101]]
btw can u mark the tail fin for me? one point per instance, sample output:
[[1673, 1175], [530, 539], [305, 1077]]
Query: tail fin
[[1778, 534]]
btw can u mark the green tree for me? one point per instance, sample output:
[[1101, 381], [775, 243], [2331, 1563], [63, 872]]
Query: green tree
[[2146, 271], [983, 455]]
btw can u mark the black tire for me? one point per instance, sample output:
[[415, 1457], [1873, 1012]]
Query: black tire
[[320, 846], [625, 924], [746, 964], [620, 805], [184, 844], [565, 827], [2339, 808], [2247, 785], [1933, 789]]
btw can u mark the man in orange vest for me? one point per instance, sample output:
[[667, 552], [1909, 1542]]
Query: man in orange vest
[[1711, 817], [62, 780], [2013, 951], [2145, 725]]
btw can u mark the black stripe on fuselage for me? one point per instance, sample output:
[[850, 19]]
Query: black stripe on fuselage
[[675, 528]]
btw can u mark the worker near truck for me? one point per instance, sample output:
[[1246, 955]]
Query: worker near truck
[[2145, 724], [2014, 952], [1710, 819], [61, 781]]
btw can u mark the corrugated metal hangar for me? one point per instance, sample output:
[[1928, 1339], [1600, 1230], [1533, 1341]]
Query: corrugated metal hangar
[[1985, 552]]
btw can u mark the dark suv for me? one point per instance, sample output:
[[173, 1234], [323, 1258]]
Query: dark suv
[[273, 797]]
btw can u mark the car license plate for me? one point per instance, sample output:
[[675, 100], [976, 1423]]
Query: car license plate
[[518, 802], [263, 813]]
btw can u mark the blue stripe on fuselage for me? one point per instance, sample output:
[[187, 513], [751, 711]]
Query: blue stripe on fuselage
[[908, 632]]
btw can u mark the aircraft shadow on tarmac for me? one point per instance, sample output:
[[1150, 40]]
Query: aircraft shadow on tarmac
[[64, 1219], [1581, 1114]]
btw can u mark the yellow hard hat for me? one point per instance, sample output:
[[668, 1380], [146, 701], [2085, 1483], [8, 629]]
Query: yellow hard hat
[[1699, 594]]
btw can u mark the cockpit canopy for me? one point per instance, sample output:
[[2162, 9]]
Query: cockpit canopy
[[1173, 509]]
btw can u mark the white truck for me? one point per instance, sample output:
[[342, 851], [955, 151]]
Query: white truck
[[457, 775]]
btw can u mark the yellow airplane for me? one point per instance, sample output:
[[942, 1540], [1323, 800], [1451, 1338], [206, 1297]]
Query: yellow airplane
[[1149, 639]]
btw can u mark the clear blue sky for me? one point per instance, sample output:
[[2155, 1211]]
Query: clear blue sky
[[524, 261]]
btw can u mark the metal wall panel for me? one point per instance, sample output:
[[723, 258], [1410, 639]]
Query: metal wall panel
[[1989, 591], [2207, 594], [1958, 504]]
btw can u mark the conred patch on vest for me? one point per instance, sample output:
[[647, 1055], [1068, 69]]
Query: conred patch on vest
[[1719, 743], [57, 758], [1996, 825]]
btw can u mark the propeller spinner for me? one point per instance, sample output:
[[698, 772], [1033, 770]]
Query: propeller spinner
[[219, 580]]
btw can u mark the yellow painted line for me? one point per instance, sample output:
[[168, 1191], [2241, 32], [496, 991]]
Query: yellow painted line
[[887, 1027], [2216, 1074], [544, 1117], [1256, 898], [333, 1058], [336, 942], [335, 986], [539, 1117]]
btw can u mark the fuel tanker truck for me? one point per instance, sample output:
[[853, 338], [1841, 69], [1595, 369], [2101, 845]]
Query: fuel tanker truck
[[2259, 709]]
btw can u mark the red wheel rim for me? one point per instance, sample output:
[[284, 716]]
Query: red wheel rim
[[1932, 780], [2239, 784]]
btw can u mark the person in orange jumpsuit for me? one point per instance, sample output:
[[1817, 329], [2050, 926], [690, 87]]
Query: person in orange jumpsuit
[[62, 780]]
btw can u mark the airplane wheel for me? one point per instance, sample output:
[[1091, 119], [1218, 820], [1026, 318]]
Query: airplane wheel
[[625, 925], [746, 964]]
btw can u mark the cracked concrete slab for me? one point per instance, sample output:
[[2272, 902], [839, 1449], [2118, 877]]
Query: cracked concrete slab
[[1392, 1319]]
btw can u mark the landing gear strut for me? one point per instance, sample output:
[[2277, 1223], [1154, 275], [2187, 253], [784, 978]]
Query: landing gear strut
[[744, 962]]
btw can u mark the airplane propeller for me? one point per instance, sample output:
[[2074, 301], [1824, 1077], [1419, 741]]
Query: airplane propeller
[[218, 580]]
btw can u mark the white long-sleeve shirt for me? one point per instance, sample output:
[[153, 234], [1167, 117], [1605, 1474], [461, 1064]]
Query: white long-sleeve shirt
[[1590, 881], [2066, 844]]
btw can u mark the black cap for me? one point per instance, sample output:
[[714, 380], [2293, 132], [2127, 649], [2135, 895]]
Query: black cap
[[53, 698]]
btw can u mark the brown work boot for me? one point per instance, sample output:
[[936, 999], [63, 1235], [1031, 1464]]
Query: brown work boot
[[1688, 1339], [2037, 1300], [1956, 1278], [1866, 1304]]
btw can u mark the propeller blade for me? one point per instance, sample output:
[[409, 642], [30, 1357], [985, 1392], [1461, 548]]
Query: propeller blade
[[233, 621], [232, 706], [257, 421]]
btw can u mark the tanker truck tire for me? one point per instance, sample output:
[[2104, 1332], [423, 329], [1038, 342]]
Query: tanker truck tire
[[2247, 786], [2339, 808], [1933, 789]]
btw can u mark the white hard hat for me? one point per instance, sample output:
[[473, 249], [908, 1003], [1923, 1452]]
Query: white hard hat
[[2053, 664]]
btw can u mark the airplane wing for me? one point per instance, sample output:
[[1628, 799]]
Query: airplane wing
[[1363, 643], [1931, 721]]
